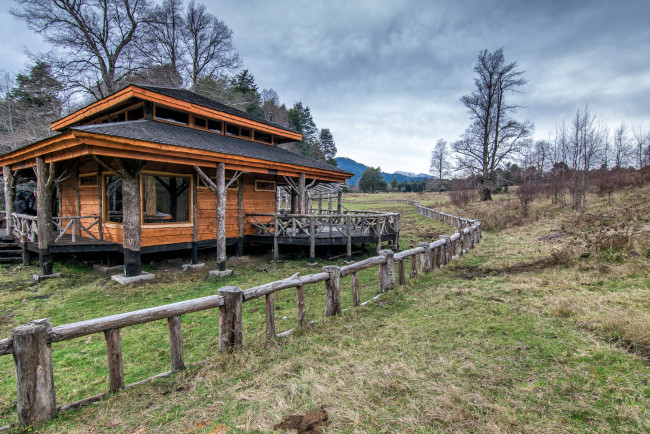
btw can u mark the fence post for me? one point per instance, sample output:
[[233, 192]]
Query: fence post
[[230, 320], [35, 394], [356, 296], [176, 343], [387, 271], [300, 303], [312, 239], [401, 271], [276, 244], [115, 362], [445, 250], [414, 266], [424, 258], [432, 258], [269, 308], [332, 290]]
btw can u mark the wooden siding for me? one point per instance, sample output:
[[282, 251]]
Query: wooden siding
[[171, 233]]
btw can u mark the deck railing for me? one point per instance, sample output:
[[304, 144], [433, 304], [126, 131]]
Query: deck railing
[[31, 343], [344, 225], [25, 227]]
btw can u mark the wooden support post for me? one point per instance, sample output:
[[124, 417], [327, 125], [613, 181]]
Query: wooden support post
[[356, 294], [295, 202], [320, 203], [446, 252], [312, 239], [348, 232], [221, 217], [27, 257], [332, 290], [379, 230], [44, 184], [387, 271], [194, 257], [176, 343], [35, 393], [10, 197], [401, 271], [115, 363], [302, 194], [276, 234], [240, 216], [432, 259], [424, 258], [339, 199], [300, 304], [129, 171], [398, 224], [269, 307], [100, 189], [230, 319], [329, 203], [78, 197], [414, 266]]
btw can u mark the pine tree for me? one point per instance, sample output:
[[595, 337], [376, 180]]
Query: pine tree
[[327, 145]]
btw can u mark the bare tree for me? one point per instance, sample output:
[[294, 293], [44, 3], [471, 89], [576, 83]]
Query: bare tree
[[439, 161], [209, 45], [93, 39], [622, 147], [493, 135], [584, 150]]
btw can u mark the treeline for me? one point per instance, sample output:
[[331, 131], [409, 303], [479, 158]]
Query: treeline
[[99, 48]]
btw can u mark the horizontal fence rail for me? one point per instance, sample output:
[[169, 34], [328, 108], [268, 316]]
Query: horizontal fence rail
[[31, 346]]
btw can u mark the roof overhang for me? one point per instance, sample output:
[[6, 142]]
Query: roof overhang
[[75, 143]]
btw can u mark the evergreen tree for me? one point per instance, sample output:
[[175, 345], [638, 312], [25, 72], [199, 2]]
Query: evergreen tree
[[394, 184], [372, 181], [244, 84], [302, 121], [327, 145]]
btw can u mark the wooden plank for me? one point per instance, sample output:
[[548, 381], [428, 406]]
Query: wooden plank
[[290, 282], [362, 265]]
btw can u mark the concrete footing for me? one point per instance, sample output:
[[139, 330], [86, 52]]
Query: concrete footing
[[39, 277], [220, 274], [123, 280], [106, 269], [193, 267]]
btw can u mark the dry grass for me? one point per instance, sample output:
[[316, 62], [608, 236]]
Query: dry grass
[[520, 335]]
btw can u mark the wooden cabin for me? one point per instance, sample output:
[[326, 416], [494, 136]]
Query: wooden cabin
[[152, 169]]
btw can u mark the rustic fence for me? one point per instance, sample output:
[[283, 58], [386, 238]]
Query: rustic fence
[[31, 344]]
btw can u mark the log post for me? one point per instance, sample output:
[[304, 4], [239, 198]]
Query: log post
[[10, 197], [432, 258], [329, 203], [312, 239], [35, 393], [300, 304], [424, 258], [100, 201], [115, 363], [401, 271], [240, 216], [78, 197], [414, 266], [302, 193], [356, 294], [339, 199], [194, 257], [44, 184], [387, 271], [131, 218], [176, 343], [230, 319], [332, 290], [276, 234], [269, 307], [348, 226], [379, 230], [221, 217], [446, 252], [320, 203]]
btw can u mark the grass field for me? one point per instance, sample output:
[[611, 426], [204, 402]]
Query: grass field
[[524, 333]]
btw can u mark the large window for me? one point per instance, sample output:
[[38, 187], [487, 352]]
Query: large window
[[165, 198], [113, 195]]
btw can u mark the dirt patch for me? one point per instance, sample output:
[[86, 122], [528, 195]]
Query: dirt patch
[[41, 297], [311, 422]]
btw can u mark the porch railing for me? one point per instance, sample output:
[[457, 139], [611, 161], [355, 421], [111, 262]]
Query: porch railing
[[25, 227]]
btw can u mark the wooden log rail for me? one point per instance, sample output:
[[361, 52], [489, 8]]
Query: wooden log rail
[[31, 344], [25, 227]]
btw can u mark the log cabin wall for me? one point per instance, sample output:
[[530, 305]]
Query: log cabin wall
[[254, 201]]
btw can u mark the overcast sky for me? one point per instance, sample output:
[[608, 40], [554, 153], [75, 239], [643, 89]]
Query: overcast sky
[[386, 77]]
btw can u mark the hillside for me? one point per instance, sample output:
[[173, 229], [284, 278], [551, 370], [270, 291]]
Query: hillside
[[358, 169]]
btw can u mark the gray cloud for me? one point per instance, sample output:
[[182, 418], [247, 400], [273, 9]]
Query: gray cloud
[[386, 77]]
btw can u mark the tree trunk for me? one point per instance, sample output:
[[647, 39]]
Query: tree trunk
[[221, 216], [10, 196], [44, 213], [131, 219]]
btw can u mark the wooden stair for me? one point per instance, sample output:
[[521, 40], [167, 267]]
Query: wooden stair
[[10, 251]]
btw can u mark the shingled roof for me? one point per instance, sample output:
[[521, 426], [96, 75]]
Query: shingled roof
[[195, 98], [168, 134]]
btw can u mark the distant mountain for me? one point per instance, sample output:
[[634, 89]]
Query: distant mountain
[[358, 169]]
